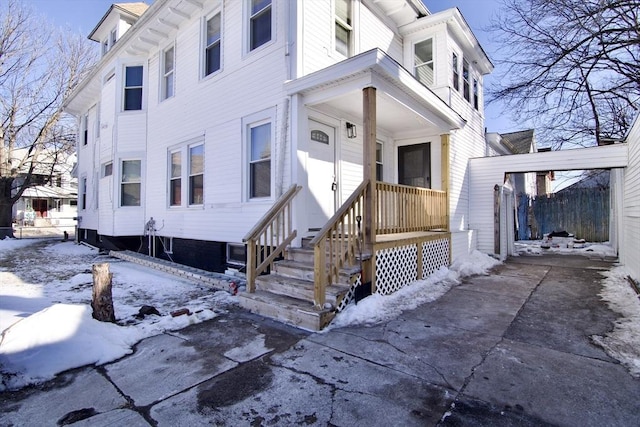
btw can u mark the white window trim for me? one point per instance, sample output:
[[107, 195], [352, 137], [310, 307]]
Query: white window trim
[[246, 30], [204, 46], [433, 58], [248, 122], [164, 75], [123, 76], [118, 187], [184, 149], [348, 27]]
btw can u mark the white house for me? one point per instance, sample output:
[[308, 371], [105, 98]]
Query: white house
[[255, 123]]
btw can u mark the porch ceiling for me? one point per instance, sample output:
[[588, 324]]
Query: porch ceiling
[[404, 105]]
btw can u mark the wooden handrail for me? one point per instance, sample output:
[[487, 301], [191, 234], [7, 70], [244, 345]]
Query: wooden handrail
[[336, 243], [268, 239]]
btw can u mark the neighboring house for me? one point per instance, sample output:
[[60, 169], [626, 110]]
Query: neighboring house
[[52, 199], [521, 142], [206, 116]]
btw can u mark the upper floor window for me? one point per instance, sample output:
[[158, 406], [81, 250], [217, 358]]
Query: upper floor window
[[133, 88], [259, 23], [212, 45], [423, 61], [85, 129], [130, 183], [456, 72], [110, 41], [465, 80], [260, 160], [168, 72], [476, 93], [343, 27], [83, 193]]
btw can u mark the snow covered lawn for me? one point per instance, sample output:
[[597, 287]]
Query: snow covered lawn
[[45, 313]]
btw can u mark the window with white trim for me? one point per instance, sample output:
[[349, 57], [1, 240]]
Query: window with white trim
[[83, 193], [465, 80], [259, 135], [379, 169], [476, 93], [456, 71], [343, 27], [85, 129], [186, 174], [175, 178], [196, 174], [259, 23], [168, 72], [212, 43], [130, 182], [133, 88], [423, 61], [107, 169]]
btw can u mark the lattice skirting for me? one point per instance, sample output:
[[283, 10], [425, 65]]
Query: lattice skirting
[[398, 266]]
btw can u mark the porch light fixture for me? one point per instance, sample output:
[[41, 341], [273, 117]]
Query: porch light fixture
[[351, 130]]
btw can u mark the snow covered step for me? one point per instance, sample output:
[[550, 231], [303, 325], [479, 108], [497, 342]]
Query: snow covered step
[[299, 288], [288, 310]]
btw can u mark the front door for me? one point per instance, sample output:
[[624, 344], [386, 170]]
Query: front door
[[414, 165], [321, 171]]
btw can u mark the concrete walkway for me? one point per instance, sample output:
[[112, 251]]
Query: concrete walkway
[[508, 349]]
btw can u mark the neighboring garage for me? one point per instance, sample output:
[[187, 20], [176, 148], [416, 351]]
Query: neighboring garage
[[622, 159]]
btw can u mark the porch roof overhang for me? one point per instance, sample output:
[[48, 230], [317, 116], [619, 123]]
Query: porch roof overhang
[[404, 104], [43, 192]]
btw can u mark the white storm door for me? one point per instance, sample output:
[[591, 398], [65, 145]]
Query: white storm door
[[321, 171]]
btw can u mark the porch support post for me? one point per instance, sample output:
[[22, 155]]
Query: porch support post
[[445, 140], [369, 166]]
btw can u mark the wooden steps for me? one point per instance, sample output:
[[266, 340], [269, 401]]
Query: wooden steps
[[287, 294]]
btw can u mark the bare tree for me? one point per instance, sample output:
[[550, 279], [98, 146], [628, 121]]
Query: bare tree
[[39, 67], [570, 66]]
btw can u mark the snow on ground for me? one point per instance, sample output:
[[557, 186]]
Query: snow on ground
[[564, 246], [380, 308], [622, 342], [45, 313]]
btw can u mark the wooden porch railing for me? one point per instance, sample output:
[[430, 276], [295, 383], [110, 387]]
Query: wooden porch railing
[[268, 239], [336, 243], [403, 209]]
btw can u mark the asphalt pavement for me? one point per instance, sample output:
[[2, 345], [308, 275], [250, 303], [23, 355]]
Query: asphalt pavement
[[509, 349]]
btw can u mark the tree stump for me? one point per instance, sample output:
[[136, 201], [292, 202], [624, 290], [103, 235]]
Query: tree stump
[[102, 301]]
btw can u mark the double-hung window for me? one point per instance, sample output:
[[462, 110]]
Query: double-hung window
[[259, 23], [465, 80], [456, 72], [196, 174], [168, 72], [476, 93], [379, 174], [260, 160], [423, 61], [212, 45], [133, 88], [85, 129], [130, 182], [186, 174], [175, 178], [83, 193], [343, 28]]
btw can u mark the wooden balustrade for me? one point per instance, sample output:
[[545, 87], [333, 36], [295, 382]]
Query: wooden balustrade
[[403, 209], [268, 239], [337, 243]]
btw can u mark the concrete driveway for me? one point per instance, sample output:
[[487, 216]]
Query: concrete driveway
[[508, 349]]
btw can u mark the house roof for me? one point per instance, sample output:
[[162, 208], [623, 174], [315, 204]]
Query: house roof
[[41, 191], [519, 142], [134, 10]]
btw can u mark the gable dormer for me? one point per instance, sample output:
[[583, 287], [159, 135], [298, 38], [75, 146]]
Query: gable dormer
[[444, 55], [118, 19]]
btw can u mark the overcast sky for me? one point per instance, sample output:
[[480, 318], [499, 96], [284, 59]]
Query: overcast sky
[[83, 15]]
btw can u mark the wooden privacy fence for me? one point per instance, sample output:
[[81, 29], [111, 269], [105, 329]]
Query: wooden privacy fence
[[584, 212]]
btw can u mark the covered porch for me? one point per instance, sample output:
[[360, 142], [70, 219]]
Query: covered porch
[[393, 228]]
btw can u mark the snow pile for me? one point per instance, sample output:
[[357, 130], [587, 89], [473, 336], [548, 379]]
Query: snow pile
[[379, 308], [45, 314], [534, 247], [8, 244], [621, 342]]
